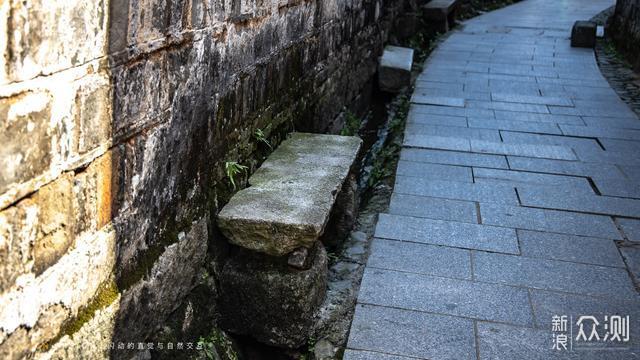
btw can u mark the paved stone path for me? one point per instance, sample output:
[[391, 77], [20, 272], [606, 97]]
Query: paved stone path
[[519, 171]]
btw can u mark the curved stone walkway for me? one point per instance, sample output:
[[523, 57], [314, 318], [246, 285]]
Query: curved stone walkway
[[519, 174]]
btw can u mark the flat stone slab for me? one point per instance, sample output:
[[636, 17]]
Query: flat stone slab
[[434, 294], [291, 195], [411, 333], [437, 232], [394, 71], [439, 9]]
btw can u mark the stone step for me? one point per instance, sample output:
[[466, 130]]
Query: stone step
[[290, 197]]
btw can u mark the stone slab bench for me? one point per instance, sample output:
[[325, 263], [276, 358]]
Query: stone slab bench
[[275, 279], [441, 12], [394, 71], [290, 197]]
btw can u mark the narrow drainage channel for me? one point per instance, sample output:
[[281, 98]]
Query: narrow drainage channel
[[381, 129]]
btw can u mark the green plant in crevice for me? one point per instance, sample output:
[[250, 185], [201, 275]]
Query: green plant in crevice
[[217, 345], [351, 124], [259, 135], [232, 169]]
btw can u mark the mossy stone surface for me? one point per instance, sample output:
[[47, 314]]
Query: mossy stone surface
[[291, 195]]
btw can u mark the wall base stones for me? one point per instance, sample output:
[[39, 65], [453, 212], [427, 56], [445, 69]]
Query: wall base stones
[[270, 301], [624, 28], [119, 116]]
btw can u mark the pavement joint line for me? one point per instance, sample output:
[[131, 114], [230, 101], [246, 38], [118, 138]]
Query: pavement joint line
[[385, 353], [582, 212], [533, 311], [476, 338], [445, 314]]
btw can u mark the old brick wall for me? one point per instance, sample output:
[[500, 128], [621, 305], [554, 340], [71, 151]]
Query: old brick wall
[[117, 118], [625, 29]]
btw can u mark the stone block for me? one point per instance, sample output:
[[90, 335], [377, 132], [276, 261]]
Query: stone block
[[26, 137], [394, 71], [440, 12], [583, 34], [265, 298], [291, 195], [43, 37]]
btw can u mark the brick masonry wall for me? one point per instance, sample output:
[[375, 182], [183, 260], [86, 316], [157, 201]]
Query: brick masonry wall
[[625, 29], [116, 120]]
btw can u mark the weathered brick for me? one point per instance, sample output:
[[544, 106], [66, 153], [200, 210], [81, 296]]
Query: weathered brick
[[36, 44], [26, 137]]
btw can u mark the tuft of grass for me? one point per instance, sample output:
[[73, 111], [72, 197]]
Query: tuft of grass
[[217, 340], [260, 136], [351, 124], [232, 169]]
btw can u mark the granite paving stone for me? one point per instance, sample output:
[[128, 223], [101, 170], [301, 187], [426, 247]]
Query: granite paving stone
[[563, 199], [490, 193], [350, 354], [437, 100], [575, 143], [546, 304], [525, 99], [569, 248], [531, 178], [631, 228], [535, 117], [611, 122], [552, 275], [411, 333], [548, 220], [631, 254], [420, 258], [436, 142], [619, 187], [523, 126], [454, 131], [612, 133], [508, 342], [564, 167], [434, 171], [454, 158], [447, 296], [494, 105], [526, 150], [431, 119], [447, 233], [433, 208], [452, 111]]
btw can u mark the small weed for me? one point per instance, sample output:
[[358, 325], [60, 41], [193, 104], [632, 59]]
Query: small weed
[[214, 342], [351, 124], [232, 169], [261, 138], [333, 257]]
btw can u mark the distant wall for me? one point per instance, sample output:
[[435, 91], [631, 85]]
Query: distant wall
[[116, 119], [625, 29]]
